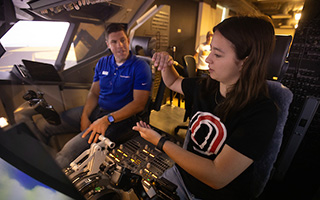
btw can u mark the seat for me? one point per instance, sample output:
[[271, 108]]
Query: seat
[[282, 97], [144, 48], [156, 99], [277, 63], [191, 66], [182, 72]]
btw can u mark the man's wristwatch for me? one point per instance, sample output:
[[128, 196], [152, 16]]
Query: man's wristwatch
[[110, 118]]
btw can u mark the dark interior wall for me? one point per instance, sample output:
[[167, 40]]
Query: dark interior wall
[[298, 161], [183, 15]]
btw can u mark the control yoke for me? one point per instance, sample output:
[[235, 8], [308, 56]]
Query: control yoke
[[36, 104]]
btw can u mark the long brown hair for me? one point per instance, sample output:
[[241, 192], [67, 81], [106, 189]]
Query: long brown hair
[[253, 40]]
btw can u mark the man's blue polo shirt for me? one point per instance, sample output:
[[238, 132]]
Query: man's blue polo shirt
[[118, 82]]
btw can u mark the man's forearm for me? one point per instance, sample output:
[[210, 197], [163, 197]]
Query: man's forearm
[[132, 108], [125, 112], [91, 103]]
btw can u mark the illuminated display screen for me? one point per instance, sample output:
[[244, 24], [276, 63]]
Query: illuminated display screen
[[14, 184]]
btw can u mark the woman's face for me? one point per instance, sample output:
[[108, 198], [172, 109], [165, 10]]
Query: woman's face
[[223, 63]]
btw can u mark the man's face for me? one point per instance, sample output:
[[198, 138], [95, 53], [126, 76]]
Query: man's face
[[118, 43]]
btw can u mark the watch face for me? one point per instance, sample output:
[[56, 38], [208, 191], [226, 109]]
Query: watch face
[[110, 118]]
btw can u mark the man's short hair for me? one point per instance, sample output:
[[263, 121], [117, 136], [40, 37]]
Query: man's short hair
[[114, 27]]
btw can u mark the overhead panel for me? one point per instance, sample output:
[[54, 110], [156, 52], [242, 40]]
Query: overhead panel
[[118, 11]]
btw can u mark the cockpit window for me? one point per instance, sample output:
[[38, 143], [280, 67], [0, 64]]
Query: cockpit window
[[34, 40]]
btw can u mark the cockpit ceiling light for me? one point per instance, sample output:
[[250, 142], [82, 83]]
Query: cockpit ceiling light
[[286, 26], [3, 122], [297, 16], [281, 16]]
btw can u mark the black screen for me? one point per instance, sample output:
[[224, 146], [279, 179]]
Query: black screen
[[22, 150], [41, 71]]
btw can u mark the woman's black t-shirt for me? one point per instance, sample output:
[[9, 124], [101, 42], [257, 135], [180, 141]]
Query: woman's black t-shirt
[[248, 132]]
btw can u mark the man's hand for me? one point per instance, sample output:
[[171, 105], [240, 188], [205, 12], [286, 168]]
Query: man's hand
[[96, 128]]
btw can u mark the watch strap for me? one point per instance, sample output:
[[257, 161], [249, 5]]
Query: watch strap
[[161, 142]]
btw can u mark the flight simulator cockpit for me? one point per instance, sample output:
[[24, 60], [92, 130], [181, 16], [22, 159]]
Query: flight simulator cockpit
[[49, 50], [44, 81]]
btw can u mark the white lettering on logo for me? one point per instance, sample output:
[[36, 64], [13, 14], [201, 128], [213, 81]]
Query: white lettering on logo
[[105, 73]]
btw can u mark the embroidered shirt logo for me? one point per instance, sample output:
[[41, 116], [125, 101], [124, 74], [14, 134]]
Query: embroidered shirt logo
[[105, 73]]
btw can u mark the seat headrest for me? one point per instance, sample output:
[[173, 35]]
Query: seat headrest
[[279, 55], [144, 46]]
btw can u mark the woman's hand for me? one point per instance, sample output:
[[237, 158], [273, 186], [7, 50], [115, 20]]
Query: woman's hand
[[147, 133], [162, 60]]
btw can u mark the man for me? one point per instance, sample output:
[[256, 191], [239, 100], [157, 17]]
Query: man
[[120, 89], [201, 54]]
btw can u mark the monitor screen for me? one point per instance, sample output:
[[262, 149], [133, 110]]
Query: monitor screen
[[41, 71], [15, 184], [20, 148]]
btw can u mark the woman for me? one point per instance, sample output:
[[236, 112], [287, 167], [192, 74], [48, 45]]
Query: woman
[[232, 118]]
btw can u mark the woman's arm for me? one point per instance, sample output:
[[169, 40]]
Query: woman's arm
[[218, 173]]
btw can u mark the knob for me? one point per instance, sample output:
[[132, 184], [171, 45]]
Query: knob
[[148, 165]]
